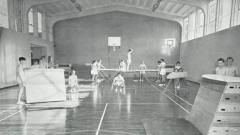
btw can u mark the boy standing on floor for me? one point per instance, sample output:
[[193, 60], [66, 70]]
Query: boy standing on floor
[[142, 68], [163, 71], [73, 81], [177, 68], [94, 70], [129, 58], [158, 71], [21, 78], [73, 84], [122, 66]]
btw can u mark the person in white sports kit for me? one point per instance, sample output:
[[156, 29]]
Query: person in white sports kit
[[73, 81], [118, 83], [21, 79], [142, 68], [129, 58], [94, 71], [122, 66]]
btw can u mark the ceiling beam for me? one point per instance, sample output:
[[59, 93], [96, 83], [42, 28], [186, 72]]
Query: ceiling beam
[[30, 3], [188, 12], [106, 9], [183, 9], [174, 8], [201, 4], [195, 3], [169, 4]]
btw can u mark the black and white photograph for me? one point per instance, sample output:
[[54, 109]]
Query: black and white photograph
[[119, 67]]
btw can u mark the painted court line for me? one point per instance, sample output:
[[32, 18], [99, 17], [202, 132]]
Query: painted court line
[[77, 131], [100, 123], [165, 89], [176, 103], [171, 99], [177, 96], [118, 132], [8, 109], [10, 115], [138, 103]]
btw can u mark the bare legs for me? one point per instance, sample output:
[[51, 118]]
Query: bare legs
[[128, 65], [20, 94], [119, 88], [141, 77], [94, 78]]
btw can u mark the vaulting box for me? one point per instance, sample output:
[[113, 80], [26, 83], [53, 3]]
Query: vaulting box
[[45, 85]]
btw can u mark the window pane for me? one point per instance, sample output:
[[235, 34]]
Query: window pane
[[30, 21], [199, 23], [224, 14], [191, 26], [185, 30], [238, 22], [39, 22], [4, 14], [212, 6]]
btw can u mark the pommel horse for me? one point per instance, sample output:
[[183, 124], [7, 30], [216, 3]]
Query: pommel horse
[[175, 75]]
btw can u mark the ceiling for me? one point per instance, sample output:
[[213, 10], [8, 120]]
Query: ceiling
[[172, 8]]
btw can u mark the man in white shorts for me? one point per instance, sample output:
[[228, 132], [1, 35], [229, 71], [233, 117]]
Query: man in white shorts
[[129, 58]]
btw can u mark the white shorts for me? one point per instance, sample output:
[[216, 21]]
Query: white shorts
[[94, 72], [163, 72], [122, 69], [142, 72], [129, 62], [119, 84], [20, 82]]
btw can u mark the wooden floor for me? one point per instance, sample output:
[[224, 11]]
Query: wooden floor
[[104, 112]]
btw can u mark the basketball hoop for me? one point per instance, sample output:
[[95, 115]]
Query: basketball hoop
[[114, 42]]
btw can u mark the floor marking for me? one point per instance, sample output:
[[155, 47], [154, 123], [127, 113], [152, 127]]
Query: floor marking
[[118, 132], [176, 103], [10, 115], [177, 96], [77, 131], [100, 123], [137, 103], [8, 109], [170, 98], [8, 105]]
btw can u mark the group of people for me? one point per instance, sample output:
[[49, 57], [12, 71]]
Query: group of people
[[118, 80], [40, 63], [126, 66], [21, 68], [96, 65], [226, 67]]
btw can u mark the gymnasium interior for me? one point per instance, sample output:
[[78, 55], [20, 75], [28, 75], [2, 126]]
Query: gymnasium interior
[[69, 35]]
